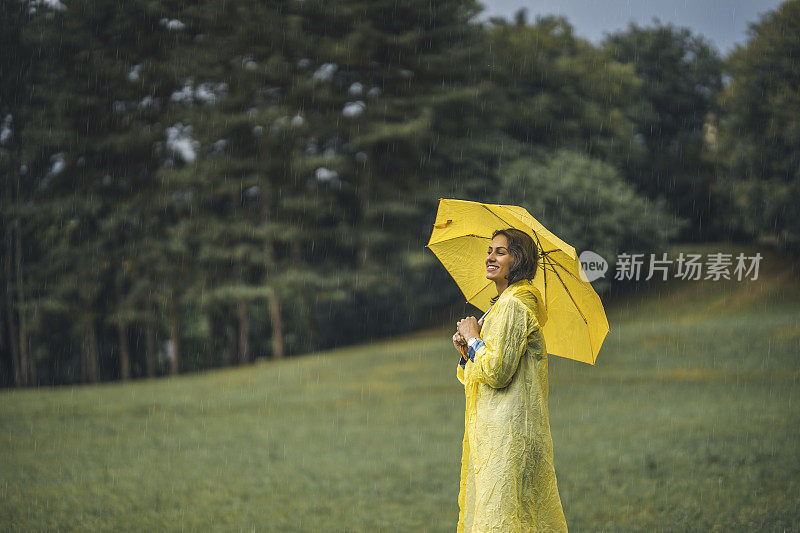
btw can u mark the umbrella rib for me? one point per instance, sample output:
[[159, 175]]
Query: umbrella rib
[[545, 256], [498, 216], [571, 298], [565, 269], [552, 263], [568, 272]]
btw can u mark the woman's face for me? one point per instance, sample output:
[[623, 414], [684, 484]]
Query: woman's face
[[499, 259]]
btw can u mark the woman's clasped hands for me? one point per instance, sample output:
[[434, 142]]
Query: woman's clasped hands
[[467, 328]]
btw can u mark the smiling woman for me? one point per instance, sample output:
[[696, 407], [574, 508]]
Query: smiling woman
[[499, 261], [508, 481], [512, 257]]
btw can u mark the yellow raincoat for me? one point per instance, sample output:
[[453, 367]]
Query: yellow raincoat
[[508, 482]]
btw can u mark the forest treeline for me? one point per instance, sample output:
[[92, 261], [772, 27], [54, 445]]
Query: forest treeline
[[188, 185]]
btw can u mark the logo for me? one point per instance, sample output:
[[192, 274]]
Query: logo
[[593, 266]]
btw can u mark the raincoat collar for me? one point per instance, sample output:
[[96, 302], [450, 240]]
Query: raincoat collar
[[524, 289]]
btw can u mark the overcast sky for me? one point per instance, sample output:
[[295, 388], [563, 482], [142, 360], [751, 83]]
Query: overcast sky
[[723, 22]]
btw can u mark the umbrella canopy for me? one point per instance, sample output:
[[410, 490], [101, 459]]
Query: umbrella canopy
[[576, 321]]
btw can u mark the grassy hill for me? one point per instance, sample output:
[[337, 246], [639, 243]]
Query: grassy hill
[[689, 420]]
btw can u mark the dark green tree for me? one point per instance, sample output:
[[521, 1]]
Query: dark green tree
[[588, 203], [234, 140], [557, 91], [681, 77], [15, 74], [92, 197], [569, 140], [759, 133], [395, 119]]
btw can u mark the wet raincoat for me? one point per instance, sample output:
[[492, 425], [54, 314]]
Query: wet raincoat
[[508, 482]]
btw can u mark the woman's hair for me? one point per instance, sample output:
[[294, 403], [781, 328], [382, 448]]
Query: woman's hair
[[525, 252]]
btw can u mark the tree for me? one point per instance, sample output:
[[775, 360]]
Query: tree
[[680, 78], [259, 178], [568, 138], [233, 168], [589, 204], [15, 61], [759, 182], [557, 91], [90, 202], [395, 110]]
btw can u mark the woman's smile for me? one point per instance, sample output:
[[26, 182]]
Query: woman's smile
[[498, 260]]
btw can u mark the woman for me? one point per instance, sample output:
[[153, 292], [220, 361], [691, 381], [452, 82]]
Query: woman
[[508, 482]]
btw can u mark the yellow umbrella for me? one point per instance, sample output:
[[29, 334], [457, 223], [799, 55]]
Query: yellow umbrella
[[576, 321]]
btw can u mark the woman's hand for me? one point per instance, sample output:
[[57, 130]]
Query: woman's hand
[[459, 343], [469, 327]]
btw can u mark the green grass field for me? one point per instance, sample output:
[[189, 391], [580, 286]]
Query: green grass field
[[690, 420]]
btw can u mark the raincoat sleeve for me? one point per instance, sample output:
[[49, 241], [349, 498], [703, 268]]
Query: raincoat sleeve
[[505, 339]]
